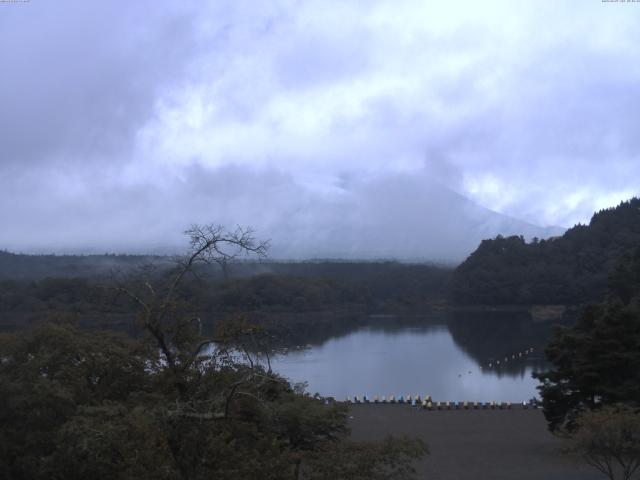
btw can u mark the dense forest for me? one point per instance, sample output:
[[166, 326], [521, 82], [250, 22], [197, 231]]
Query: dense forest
[[569, 270], [292, 299], [15, 266]]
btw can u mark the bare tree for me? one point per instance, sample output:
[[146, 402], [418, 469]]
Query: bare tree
[[177, 336], [609, 440]]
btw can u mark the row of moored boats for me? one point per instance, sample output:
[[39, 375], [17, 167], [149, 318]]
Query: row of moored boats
[[427, 403]]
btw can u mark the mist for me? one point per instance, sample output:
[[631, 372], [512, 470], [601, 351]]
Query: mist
[[390, 217]]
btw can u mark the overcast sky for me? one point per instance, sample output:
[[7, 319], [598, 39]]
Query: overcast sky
[[124, 120]]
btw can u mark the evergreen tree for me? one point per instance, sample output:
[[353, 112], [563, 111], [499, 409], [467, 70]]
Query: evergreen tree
[[597, 361]]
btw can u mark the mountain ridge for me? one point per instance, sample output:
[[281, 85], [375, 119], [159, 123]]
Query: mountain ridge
[[570, 269]]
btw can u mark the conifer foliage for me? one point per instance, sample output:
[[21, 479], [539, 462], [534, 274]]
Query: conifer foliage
[[597, 361]]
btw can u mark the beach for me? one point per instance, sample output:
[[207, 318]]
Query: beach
[[475, 444]]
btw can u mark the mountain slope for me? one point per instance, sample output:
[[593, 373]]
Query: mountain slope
[[403, 218]]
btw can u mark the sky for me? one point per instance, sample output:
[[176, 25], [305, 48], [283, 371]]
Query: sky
[[122, 122]]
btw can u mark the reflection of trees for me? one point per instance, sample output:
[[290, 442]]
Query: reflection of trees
[[292, 329], [484, 336], [489, 337]]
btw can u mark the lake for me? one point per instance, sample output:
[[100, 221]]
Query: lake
[[454, 360]]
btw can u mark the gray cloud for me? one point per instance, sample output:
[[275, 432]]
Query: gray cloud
[[124, 122], [80, 79]]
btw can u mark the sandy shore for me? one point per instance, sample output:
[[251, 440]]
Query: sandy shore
[[475, 444]]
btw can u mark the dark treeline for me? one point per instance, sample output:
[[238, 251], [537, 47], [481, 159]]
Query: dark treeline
[[15, 266], [274, 294], [571, 269], [373, 283]]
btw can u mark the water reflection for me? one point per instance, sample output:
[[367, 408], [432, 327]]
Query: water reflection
[[445, 357], [494, 338]]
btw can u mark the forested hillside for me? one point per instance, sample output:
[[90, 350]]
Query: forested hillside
[[14, 266], [279, 292], [571, 269]]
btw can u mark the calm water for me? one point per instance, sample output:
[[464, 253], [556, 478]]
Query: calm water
[[448, 362]]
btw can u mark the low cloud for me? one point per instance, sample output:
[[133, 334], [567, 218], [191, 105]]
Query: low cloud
[[400, 216], [121, 124]]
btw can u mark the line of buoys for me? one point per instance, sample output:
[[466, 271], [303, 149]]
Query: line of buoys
[[510, 357]]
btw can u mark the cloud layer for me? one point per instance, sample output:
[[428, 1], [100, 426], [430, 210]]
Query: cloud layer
[[159, 112]]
